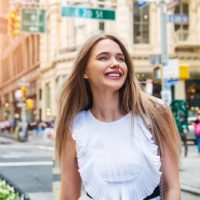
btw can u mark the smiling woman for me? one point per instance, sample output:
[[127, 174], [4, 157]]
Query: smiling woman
[[117, 141], [106, 69]]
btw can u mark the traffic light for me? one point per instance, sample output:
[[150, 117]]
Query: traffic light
[[29, 104], [14, 22], [157, 72], [23, 91]]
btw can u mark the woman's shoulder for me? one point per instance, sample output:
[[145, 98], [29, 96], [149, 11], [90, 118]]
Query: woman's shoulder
[[79, 119]]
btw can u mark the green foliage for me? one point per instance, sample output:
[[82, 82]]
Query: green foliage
[[7, 192]]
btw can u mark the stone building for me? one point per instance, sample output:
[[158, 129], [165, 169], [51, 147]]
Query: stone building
[[45, 66], [19, 70]]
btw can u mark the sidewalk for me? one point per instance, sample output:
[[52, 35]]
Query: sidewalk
[[190, 172], [7, 138]]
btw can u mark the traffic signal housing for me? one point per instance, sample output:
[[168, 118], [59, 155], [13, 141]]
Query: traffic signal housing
[[14, 20], [157, 72], [29, 104], [23, 89]]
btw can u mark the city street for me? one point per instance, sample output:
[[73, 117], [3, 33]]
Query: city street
[[29, 166], [189, 196]]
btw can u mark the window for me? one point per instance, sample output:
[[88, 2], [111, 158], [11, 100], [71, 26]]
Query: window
[[141, 24], [182, 28]]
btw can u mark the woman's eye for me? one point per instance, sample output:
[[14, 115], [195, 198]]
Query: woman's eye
[[121, 59], [103, 58]]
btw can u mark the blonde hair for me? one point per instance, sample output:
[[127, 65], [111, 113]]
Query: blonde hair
[[76, 96]]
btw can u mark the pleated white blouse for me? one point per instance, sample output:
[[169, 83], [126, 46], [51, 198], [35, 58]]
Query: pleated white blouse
[[117, 160]]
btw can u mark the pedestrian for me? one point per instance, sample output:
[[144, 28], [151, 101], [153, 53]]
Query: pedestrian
[[117, 141], [197, 132]]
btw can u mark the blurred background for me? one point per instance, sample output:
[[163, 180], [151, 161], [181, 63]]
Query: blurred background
[[39, 40]]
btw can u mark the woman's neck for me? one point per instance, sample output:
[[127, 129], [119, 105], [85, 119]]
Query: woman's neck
[[106, 107]]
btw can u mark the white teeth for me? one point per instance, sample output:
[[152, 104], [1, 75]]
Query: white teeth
[[113, 75]]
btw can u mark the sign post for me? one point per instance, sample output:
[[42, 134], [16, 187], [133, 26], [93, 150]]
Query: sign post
[[33, 20]]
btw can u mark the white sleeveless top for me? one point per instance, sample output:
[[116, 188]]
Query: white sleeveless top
[[117, 160]]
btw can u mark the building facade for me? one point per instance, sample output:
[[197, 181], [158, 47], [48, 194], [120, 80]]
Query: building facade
[[19, 67], [139, 28]]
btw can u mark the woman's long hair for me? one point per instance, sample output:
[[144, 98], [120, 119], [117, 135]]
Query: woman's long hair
[[76, 96]]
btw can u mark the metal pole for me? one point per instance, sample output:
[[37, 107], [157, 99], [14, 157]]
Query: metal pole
[[164, 47], [166, 89]]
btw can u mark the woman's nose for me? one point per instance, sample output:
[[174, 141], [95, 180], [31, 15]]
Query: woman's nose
[[115, 63]]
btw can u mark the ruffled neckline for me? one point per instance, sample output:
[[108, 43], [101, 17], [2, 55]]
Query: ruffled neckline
[[138, 185]]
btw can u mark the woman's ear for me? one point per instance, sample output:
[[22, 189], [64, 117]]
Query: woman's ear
[[85, 76]]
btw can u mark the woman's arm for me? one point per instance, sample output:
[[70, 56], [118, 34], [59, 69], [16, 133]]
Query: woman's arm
[[70, 177], [171, 177]]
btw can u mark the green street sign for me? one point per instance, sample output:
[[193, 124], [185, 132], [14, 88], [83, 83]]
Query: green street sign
[[90, 13], [33, 20]]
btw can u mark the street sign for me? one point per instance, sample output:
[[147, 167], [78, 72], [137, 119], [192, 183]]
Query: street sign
[[173, 4], [172, 81], [33, 20], [171, 71], [178, 18], [141, 4], [84, 12]]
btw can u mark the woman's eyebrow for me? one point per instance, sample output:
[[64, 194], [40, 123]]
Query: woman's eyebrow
[[107, 53], [103, 53]]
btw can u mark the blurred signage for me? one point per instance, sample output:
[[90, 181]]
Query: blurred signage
[[33, 20], [173, 4], [30, 1], [184, 72], [84, 12], [3, 25], [21, 105], [141, 4], [155, 59], [178, 18], [171, 71]]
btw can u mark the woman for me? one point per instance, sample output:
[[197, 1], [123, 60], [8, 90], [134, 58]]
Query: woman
[[197, 131], [119, 142]]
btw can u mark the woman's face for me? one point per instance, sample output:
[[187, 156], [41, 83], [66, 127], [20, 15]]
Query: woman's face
[[106, 68]]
